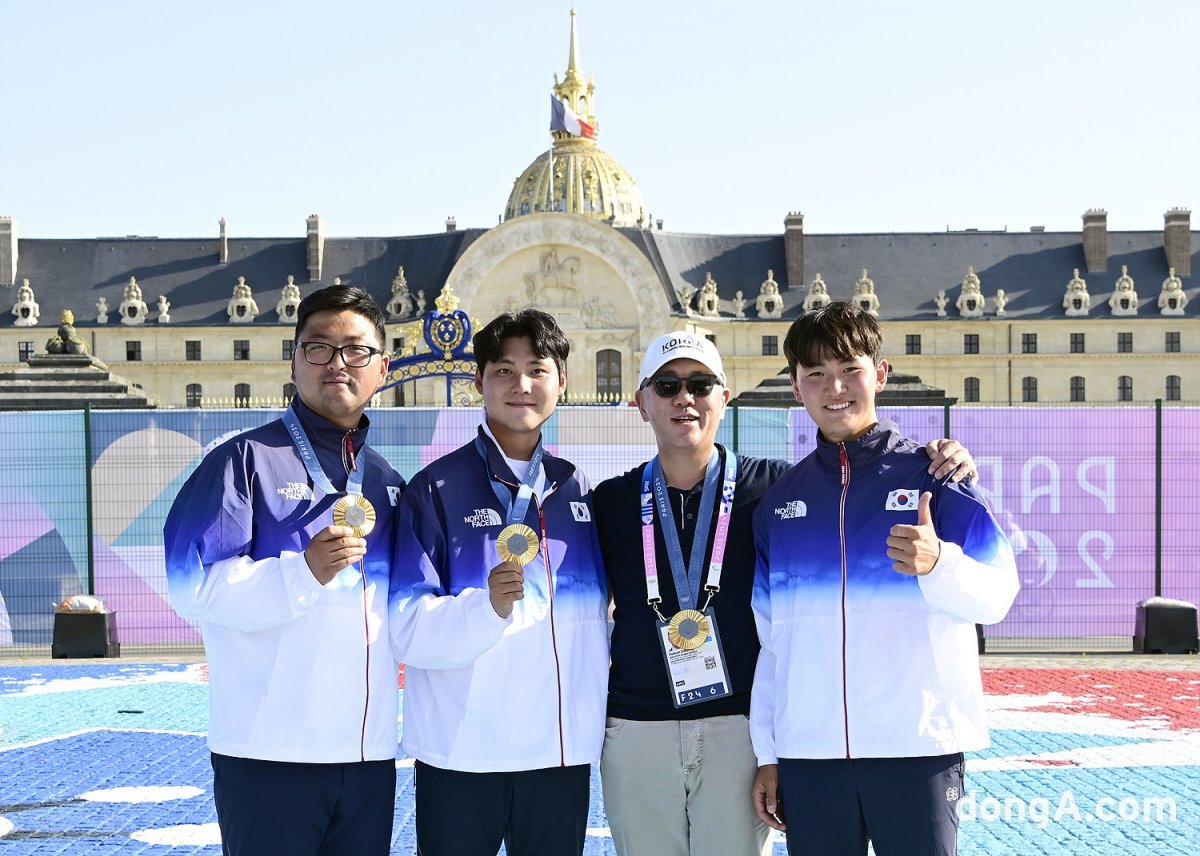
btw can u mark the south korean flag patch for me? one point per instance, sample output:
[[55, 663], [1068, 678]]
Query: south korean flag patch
[[902, 500], [580, 512]]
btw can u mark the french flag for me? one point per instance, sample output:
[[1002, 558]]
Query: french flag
[[563, 118]]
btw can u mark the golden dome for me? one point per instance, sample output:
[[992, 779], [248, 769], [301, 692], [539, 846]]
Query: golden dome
[[587, 181], [576, 177]]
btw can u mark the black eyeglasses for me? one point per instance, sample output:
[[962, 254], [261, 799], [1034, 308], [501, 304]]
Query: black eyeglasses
[[667, 386], [353, 356]]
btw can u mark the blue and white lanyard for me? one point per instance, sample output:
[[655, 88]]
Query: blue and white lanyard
[[308, 456], [514, 509], [654, 492]]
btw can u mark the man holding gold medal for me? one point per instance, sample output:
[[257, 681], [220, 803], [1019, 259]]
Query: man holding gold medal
[[501, 620], [678, 765], [280, 546]]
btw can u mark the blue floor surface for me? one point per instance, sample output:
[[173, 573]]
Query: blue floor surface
[[110, 758]]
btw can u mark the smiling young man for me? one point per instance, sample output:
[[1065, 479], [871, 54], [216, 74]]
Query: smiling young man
[[500, 618], [678, 545], [280, 546], [871, 575]]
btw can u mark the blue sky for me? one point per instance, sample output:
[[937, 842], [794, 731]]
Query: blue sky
[[158, 118]]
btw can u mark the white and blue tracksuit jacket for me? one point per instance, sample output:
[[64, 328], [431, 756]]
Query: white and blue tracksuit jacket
[[298, 671], [859, 660], [484, 693]]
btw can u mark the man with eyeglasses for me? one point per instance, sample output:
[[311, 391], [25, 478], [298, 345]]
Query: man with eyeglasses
[[280, 546], [677, 765]]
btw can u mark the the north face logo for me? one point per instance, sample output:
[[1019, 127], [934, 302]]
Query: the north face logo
[[484, 517], [295, 491], [795, 508]]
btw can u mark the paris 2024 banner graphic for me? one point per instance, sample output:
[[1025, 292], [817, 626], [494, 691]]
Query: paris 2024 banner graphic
[[1074, 488]]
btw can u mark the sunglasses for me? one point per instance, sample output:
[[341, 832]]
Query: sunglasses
[[667, 386]]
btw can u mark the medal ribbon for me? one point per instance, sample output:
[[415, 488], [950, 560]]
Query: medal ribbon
[[309, 457], [654, 492], [514, 510]]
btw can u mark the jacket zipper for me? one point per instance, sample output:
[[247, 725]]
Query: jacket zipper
[[845, 462], [562, 748], [544, 551], [348, 461]]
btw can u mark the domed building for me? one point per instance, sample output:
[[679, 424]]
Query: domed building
[[1008, 317], [575, 176]]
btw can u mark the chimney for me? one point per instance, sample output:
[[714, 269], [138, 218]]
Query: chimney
[[451, 224], [316, 247], [1177, 240], [224, 252], [793, 248], [1095, 240], [8, 251]]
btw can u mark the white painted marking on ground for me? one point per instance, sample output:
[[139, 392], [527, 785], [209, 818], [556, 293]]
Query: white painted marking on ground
[[184, 835], [142, 794], [193, 674]]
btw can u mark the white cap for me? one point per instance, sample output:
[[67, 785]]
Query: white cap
[[681, 346]]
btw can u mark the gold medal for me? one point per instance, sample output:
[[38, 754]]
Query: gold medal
[[354, 510], [688, 629], [517, 543]]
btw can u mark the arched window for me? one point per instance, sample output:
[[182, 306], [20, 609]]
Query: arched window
[[608, 373], [1029, 389], [1078, 389], [1124, 388], [241, 395], [289, 392], [195, 393], [1174, 388], [971, 389]]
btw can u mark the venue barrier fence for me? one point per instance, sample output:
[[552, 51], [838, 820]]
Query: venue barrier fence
[[1100, 502]]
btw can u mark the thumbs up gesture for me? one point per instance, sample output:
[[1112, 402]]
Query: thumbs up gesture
[[915, 549]]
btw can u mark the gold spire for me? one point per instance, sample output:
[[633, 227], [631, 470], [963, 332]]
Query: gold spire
[[575, 176], [573, 91], [574, 47]]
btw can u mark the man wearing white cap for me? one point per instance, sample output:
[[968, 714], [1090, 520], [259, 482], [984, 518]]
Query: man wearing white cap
[[677, 766]]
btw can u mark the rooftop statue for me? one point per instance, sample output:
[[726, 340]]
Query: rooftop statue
[[970, 300], [1172, 299], [401, 305], [708, 303], [133, 309], [769, 304], [1077, 301], [289, 300], [241, 308], [818, 294], [864, 294], [1124, 300], [26, 310]]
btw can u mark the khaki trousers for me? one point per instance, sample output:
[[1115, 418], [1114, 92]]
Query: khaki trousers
[[681, 788]]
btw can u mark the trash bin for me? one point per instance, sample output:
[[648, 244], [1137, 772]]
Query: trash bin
[[85, 634], [1165, 626]]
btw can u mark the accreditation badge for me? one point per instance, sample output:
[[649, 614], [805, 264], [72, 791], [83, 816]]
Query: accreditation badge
[[695, 661]]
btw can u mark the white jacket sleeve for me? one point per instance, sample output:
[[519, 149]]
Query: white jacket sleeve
[[253, 595], [430, 628]]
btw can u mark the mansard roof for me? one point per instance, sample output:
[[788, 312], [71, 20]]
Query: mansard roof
[[908, 269]]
